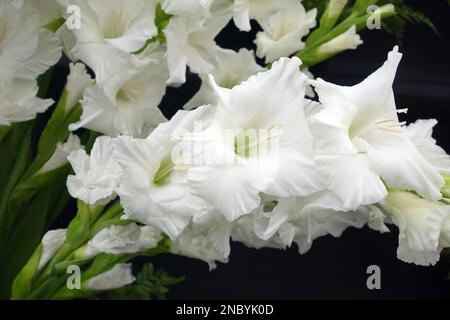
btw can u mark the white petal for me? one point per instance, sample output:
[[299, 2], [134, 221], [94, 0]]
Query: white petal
[[51, 243], [420, 132], [352, 179]]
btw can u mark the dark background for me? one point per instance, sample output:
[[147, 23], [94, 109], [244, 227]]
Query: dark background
[[336, 268]]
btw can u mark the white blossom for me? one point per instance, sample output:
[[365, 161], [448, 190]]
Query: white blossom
[[96, 176], [283, 32], [26, 51], [190, 41], [109, 32], [154, 189], [127, 102], [423, 226], [266, 110], [359, 141]]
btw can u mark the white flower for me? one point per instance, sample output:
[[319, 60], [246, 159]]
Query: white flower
[[51, 243], [154, 189], [59, 157], [110, 31], [346, 41], [130, 238], [96, 176], [359, 141], [190, 41], [230, 69], [127, 102], [422, 223], [77, 81], [260, 10], [26, 51], [283, 32], [420, 132], [269, 147], [118, 276], [207, 238]]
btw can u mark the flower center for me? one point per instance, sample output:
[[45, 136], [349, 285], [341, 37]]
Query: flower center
[[115, 26], [165, 169], [129, 95], [231, 81], [286, 28], [252, 143]]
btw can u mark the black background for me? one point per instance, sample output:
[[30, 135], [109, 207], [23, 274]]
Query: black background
[[336, 268]]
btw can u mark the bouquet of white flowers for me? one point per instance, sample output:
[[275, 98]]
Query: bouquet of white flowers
[[263, 154]]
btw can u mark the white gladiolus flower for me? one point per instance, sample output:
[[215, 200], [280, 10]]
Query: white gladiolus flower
[[230, 69], [26, 51], [190, 42], [154, 188], [283, 32], [119, 276], [130, 238], [110, 31], [423, 226], [420, 132], [96, 176], [260, 10], [127, 102], [77, 81], [359, 140], [51, 243], [206, 238], [59, 157], [260, 127]]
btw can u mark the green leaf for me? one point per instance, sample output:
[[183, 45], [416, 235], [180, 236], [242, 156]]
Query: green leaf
[[7, 217], [4, 131], [22, 284], [79, 229], [27, 235]]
